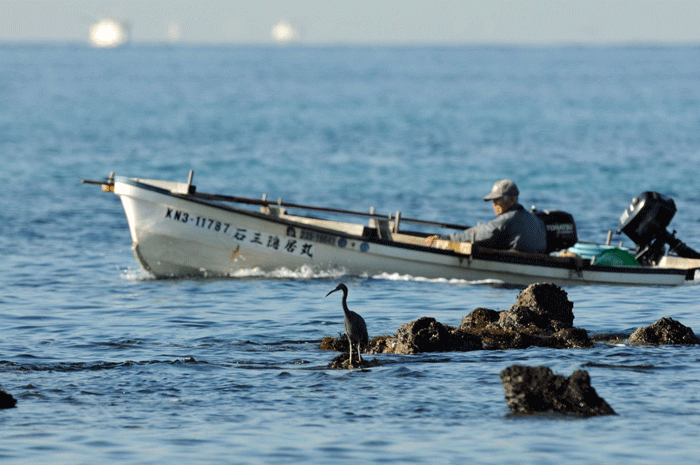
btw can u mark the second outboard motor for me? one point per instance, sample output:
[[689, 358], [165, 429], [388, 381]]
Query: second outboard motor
[[645, 222], [561, 229]]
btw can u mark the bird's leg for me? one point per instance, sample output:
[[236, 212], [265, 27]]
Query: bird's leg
[[359, 354], [350, 343]]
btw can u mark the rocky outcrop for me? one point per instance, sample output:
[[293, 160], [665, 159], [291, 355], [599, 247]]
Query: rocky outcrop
[[539, 308], [532, 390], [422, 335], [572, 338], [479, 319], [542, 316], [6, 400], [428, 335], [548, 306], [664, 331]]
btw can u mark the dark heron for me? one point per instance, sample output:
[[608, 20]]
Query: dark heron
[[355, 326]]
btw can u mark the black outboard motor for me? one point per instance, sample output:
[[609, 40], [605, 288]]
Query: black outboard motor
[[561, 229], [645, 222]]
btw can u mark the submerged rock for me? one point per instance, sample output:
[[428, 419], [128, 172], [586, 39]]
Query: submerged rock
[[340, 344], [664, 331], [537, 389], [342, 362]]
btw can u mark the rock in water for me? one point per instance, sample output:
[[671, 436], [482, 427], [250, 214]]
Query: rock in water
[[429, 335], [423, 335], [342, 362], [479, 319], [537, 389], [664, 331], [542, 316], [6, 400], [549, 302]]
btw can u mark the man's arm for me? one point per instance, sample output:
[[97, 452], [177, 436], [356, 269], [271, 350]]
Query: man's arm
[[485, 234]]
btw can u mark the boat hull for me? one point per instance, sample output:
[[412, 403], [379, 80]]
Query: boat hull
[[178, 235]]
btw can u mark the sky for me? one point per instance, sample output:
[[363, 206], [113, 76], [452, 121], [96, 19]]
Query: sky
[[337, 22]]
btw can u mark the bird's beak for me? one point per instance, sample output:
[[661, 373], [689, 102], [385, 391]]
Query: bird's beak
[[331, 292]]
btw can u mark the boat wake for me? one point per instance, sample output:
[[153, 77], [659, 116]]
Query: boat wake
[[136, 274], [306, 272], [420, 279]]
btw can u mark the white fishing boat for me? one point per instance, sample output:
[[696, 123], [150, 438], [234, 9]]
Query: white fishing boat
[[179, 232]]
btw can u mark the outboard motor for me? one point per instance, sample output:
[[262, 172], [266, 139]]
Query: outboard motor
[[645, 222], [561, 229]]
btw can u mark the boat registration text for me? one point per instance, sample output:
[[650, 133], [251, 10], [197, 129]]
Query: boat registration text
[[283, 244]]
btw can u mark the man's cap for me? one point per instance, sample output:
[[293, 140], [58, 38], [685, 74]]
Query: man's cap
[[501, 188]]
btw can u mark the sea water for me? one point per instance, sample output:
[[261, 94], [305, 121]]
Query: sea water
[[110, 365]]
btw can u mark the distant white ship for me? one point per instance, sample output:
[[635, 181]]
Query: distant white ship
[[108, 33], [283, 32], [174, 31]]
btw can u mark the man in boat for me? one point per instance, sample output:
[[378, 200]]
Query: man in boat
[[514, 228]]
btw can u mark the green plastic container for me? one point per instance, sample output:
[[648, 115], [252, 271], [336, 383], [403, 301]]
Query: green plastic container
[[616, 257]]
